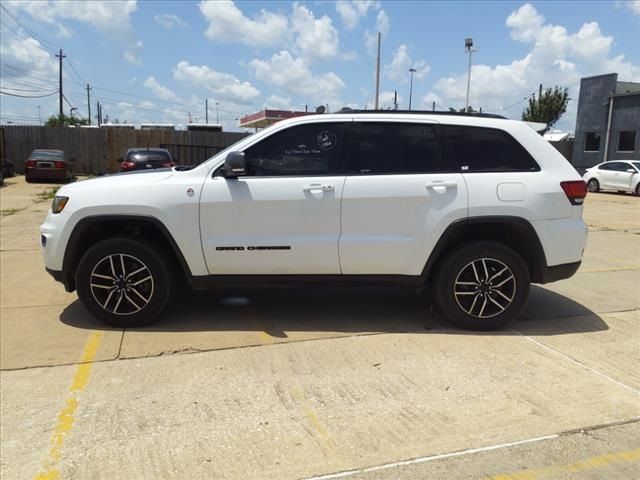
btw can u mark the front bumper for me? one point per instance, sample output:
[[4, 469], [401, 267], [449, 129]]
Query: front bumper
[[58, 276]]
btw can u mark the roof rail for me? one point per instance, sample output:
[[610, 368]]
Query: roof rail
[[424, 112]]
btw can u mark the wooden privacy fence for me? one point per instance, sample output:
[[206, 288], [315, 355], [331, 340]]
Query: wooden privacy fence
[[96, 150]]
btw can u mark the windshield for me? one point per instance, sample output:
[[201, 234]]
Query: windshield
[[47, 155], [222, 153]]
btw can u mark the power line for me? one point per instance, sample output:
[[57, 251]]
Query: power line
[[26, 83], [24, 90], [28, 96], [510, 106], [37, 76], [28, 30]]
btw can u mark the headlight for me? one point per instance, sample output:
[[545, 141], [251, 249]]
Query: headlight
[[58, 204]]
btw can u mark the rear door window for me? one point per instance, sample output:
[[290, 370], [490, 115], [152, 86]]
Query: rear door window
[[382, 148], [479, 149]]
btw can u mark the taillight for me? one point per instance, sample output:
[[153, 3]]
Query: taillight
[[168, 164], [59, 164], [30, 163], [128, 165], [575, 190]]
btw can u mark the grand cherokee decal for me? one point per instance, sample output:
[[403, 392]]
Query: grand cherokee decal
[[251, 248]]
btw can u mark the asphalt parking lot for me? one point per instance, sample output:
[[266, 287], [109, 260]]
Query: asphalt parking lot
[[323, 383]]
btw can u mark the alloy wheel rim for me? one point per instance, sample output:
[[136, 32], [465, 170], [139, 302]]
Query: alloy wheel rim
[[121, 284], [484, 288]]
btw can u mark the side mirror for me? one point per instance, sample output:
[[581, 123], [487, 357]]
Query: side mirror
[[120, 160], [234, 165], [631, 170]]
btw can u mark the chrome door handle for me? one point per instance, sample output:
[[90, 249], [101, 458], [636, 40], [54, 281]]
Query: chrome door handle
[[437, 183], [317, 186]]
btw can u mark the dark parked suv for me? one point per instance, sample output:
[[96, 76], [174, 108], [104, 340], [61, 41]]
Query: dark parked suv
[[146, 158]]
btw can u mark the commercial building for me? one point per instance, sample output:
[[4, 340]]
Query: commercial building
[[608, 121], [265, 118]]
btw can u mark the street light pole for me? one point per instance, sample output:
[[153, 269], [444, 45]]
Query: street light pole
[[412, 70], [468, 46], [217, 117]]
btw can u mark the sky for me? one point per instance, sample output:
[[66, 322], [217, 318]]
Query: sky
[[157, 61]]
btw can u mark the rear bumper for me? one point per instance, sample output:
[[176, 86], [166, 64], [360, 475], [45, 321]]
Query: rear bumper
[[559, 272], [46, 173]]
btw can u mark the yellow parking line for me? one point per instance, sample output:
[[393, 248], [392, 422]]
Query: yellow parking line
[[66, 417], [326, 442], [590, 463]]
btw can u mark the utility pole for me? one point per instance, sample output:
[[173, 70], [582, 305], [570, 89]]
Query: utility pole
[[39, 117], [468, 46], [206, 111], [61, 56], [412, 71], [378, 72], [217, 116], [89, 103]]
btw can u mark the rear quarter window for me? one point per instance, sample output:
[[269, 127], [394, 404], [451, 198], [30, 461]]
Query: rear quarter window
[[479, 149]]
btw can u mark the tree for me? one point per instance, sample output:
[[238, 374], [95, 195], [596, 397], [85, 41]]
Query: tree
[[64, 120], [548, 107]]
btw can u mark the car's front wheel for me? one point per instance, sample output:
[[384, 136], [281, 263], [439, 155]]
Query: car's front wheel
[[482, 286], [124, 282]]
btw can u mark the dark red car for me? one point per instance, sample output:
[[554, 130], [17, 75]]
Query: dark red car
[[146, 158], [48, 165]]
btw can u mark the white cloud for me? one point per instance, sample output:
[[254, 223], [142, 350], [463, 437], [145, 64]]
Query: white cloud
[[227, 23], [383, 25], [223, 85], [278, 103], [111, 18], [160, 91], [351, 11], [633, 6], [315, 38], [108, 17], [398, 69], [294, 76], [31, 67], [169, 20], [556, 57]]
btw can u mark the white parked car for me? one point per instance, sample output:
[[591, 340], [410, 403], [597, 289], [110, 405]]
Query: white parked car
[[471, 207], [619, 175]]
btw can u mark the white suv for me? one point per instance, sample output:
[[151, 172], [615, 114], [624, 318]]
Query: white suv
[[472, 207]]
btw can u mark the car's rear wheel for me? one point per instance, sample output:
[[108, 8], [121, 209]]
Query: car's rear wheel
[[593, 185], [482, 286], [124, 282], [637, 190]]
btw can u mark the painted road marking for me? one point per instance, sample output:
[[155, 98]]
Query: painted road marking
[[66, 417], [587, 464], [431, 458], [325, 440]]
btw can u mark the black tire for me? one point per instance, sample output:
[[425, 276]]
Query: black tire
[[637, 191], [117, 298], [593, 185], [468, 300]]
